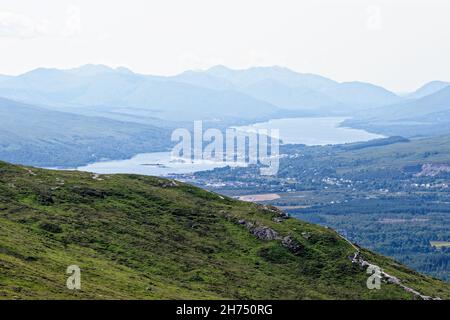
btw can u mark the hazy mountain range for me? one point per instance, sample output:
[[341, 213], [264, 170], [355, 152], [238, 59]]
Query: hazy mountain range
[[95, 87], [427, 89], [95, 104], [425, 116], [291, 90], [218, 92]]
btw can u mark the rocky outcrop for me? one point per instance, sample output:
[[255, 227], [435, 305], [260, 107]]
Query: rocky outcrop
[[168, 184], [358, 259], [279, 214], [261, 232], [267, 234], [292, 245]]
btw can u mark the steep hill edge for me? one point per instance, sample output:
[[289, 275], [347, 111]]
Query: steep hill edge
[[137, 237]]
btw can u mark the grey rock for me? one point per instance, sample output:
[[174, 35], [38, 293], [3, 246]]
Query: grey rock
[[292, 245], [265, 233]]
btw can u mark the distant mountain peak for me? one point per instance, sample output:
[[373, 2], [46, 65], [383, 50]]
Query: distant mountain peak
[[223, 70], [220, 71], [41, 71], [428, 89], [124, 70], [437, 82], [90, 69], [219, 67]]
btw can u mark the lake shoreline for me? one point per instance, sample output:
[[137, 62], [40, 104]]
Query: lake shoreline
[[303, 130]]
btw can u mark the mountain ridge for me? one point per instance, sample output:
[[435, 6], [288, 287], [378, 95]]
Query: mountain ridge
[[91, 85], [425, 116], [67, 87], [243, 78], [428, 88]]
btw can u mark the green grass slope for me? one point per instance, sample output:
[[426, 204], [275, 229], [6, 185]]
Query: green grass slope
[[41, 137], [137, 237]]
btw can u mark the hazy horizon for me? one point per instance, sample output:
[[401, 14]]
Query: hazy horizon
[[397, 45], [205, 69]]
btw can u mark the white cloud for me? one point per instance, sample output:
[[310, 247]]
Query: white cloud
[[13, 25]]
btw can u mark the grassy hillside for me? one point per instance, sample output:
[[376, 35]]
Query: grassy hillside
[[37, 136], [138, 237], [389, 195]]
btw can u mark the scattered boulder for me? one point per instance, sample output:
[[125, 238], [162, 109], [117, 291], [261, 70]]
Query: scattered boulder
[[306, 235], [358, 259], [272, 209], [168, 184], [265, 233], [292, 245], [261, 232]]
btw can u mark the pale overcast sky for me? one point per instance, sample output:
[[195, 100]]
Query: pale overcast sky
[[399, 44]]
